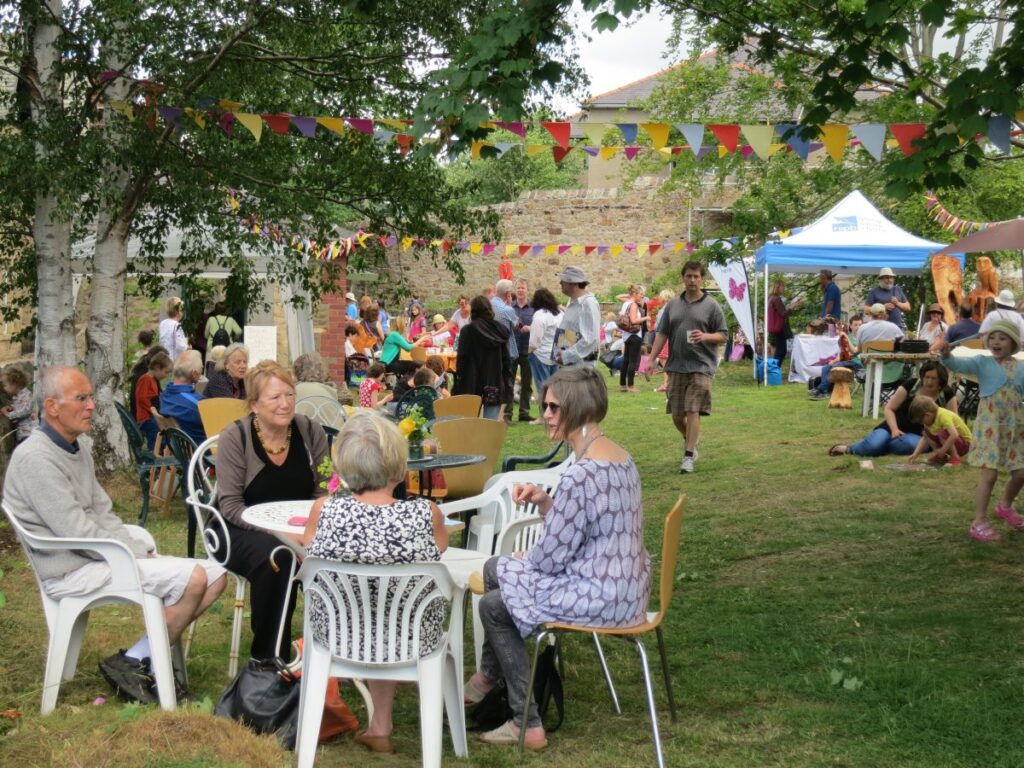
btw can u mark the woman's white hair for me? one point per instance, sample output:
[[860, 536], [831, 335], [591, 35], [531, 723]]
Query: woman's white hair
[[370, 452]]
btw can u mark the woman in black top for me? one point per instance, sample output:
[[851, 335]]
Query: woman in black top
[[228, 379], [483, 364], [897, 434], [271, 455]]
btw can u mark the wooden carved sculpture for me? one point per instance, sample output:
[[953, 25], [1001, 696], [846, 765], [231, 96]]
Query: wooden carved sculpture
[[988, 288], [840, 379], [949, 285]]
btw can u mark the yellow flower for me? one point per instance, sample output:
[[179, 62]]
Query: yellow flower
[[407, 426]]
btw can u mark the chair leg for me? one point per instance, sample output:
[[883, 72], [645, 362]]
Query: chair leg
[[665, 673], [236, 627], [650, 701], [189, 637], [144, 482], [56, 656], [367, 699], [75, 645], [190, 535], [542, 637], [454, 705], [478, 631], [607, 673], [178, 664], [316, 669], [431, 684], [160, 651]]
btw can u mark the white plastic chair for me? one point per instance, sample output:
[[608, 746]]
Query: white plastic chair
[[390, 651], [326, 411], [67, 617], [202, 496]]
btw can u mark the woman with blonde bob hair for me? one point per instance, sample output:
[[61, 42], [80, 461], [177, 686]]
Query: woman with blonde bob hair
[[372, 526], [270, 455]]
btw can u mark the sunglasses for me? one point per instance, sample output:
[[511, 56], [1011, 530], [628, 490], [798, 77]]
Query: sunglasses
[[549, 406]]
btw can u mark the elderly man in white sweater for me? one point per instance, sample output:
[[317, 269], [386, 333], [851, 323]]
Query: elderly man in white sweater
[[51, 488]]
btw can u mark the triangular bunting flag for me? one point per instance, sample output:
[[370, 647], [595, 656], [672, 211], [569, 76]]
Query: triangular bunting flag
[[694, 135], [559, 153], [999, 132], [405, 142], [905, 134], [701, 151], [124, 108], [593, 131], [722, 150], [653, 248], [678, 247], [407, 243], [517, 128], [361, 124], [563, 248], [588, 249], [835, 136], [333, 124], [559, 132], [524, 249], [789, 133], [628, 131], [278, 123], [228, 105], [489, 248], [383, 137], [774, 149], [550, 250], [252, 122], [871, 136], [197, 116], [476, 248], [537, 249], [607, 153], [306, 125], [170, 115], [504, 146], [592, 151], [616, 250], [477, 148], [398, 125], [759, 137], [227, 123], [537, 149], [641, 249], [631, 152], [727, 134], [658, 133], [510, 249]]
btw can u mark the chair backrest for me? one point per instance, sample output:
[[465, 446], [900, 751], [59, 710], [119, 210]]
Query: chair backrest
[[669, 556], [326, 411], [481, 436], [418, 354], [136, 440], [182, 448], [217, 412], [506, 512], [165, 422], [519, 535], [423, 396], [373, 614], [458, 405], [200, 479], [878, 346], [28, 541]]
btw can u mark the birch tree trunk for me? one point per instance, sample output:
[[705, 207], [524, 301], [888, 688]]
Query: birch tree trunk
[[55, 333]]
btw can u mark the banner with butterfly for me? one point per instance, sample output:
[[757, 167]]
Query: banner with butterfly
[[732, 279]]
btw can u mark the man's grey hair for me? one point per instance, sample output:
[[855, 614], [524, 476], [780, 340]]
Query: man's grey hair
[[51, 381], [188, 362], [504, 287]]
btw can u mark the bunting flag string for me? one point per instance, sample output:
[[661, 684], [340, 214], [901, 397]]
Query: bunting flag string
[[938, 213], [763, 140], [342, 247]]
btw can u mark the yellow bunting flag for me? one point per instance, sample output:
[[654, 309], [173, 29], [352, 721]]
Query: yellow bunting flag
[[722, 150], [759, 137], [510, 250], [576, 249], [476, 248], [537, 149], [774, 148], [197, 116], [399, 125], [616, 251], [678, 247], [474, 152], [253, 122], [594, 132], [333, 124], [607, 153], [641, 249], [229, 106], [407, 243], [834, 137], [124, 108], [551, 250], [658, 133]]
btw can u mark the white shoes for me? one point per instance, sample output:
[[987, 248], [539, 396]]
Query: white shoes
[[688, 462]]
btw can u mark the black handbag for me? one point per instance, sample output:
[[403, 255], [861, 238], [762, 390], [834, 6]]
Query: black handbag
[[493, 710], [264, 696]]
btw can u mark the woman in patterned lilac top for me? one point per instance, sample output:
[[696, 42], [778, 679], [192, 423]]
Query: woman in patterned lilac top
[[589, 566], [372, 526]]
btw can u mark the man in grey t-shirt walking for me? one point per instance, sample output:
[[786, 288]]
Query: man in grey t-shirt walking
[[693, 325]]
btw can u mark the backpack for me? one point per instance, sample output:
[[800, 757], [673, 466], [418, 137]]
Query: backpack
[[625, 325], [221, 337]]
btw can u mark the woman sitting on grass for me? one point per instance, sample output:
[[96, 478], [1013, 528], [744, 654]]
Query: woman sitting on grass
[[898, 434], [588, 567]]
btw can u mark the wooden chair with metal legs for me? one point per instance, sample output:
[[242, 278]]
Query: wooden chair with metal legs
[[551, 632]]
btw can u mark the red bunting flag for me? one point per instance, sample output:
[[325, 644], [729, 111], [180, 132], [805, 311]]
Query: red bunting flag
[[523, 249], [728, 135], [360, 124], [446, 245], [653, 248], [405, 141], [905, 134], [588, 249], [278, 123], [559, 153], [560, 133]]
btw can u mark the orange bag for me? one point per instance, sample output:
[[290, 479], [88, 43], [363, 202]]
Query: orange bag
[[337, 718]]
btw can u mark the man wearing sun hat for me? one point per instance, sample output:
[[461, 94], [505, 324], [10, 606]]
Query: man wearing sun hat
[[890, 295], [1006, 309], [441, 335], [579, 332]]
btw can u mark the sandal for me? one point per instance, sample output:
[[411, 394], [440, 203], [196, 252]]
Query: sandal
[[1010, 516], [473, 693], [507, 734], [834, 450], [983, 532]]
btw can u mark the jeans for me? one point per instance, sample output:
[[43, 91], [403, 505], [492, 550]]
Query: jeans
[[824, 385], [491, 411], [504, 654], [631, 361], [541, 371], [879, 442], [780, 340], [150, 430]]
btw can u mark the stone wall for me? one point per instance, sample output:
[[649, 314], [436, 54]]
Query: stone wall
[[575, 216]]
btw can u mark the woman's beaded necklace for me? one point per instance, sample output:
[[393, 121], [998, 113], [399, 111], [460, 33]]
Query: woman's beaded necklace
[[273, 451]]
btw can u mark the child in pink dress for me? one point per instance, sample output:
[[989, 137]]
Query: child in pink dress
[[372, 385]]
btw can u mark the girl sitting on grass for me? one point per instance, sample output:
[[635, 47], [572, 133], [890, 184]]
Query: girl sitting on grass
[[374, 383], [999, 428], [943, 431]]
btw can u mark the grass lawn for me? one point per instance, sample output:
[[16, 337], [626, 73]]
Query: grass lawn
[[824, 615]]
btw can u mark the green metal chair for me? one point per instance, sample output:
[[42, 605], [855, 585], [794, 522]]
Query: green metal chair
[[143, 458], [182, 447]]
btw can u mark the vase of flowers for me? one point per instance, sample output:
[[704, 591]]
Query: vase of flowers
[[414, 427]]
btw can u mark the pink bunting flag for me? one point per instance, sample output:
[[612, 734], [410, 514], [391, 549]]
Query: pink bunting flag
[[563, 248], [632, 152], [517, 128], [360, 124], [489, 248]]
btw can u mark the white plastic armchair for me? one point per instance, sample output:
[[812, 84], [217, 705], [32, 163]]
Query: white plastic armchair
[[520, 535], [326, 411], [379, 639], [67, 617]]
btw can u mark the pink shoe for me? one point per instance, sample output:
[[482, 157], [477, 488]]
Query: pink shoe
[[1012, 518], [983, 532]]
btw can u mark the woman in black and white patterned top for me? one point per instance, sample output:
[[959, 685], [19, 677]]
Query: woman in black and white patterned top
[[372, 526]]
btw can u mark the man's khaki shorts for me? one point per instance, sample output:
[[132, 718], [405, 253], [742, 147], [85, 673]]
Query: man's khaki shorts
[[688, 393]]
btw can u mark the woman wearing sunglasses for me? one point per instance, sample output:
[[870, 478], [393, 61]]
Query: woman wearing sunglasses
[[589, 567]]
